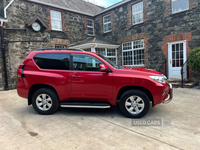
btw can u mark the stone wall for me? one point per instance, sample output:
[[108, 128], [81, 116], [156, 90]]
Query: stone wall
[[158, 23], [19, 14]]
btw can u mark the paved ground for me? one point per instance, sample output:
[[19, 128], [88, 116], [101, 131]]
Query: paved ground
[[22, 128]]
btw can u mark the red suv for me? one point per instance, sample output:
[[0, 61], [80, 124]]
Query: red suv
[[78, 79]]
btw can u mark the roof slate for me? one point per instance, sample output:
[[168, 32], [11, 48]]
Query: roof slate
[[78, 5]]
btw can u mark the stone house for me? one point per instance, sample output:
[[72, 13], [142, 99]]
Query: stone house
[[155, 34]]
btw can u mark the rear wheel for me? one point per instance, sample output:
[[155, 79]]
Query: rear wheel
[[134, 104], [45, 101]]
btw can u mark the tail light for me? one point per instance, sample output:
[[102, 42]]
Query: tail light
[[20, 71]]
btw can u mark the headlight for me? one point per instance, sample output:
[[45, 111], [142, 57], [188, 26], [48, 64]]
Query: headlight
[[160, 79]]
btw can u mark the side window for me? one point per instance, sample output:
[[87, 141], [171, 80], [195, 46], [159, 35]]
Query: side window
[[55, 61], [85, 63]]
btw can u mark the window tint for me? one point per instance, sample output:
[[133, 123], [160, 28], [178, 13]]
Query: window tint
[[85, 63], [55, 61]]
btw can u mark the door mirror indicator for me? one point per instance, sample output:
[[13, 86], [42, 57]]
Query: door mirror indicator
[[104, 68]]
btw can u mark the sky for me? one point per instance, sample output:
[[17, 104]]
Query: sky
[[104, 3]]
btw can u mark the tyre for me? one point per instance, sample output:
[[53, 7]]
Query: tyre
[[45, 101], [134, 104]]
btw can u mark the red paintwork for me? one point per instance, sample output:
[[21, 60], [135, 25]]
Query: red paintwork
[[88, 85]]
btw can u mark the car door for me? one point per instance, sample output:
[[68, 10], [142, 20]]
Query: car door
[[87, 82]]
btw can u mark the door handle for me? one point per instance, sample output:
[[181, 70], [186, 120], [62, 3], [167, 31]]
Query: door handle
[[170, 61], [76, 76]]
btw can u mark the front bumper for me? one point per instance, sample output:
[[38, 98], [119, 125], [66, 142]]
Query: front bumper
[[170, 95]]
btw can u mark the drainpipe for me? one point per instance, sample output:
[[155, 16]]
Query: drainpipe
[[7, 8], [2, 46], [4, 58]]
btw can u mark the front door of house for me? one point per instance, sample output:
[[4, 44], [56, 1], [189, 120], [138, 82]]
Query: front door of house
[[176, 58]]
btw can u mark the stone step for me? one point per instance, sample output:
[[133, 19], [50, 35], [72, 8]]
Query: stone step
[[178, 80], [185, 85]]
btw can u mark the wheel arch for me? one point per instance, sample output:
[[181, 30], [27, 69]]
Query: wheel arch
[[126, 88], [35, 87]]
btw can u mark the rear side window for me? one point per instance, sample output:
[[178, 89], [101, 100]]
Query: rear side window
[[55, 61]]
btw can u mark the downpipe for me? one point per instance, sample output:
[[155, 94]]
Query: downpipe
[[4, 58]]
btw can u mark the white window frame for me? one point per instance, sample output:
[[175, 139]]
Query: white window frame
[[138, 13], [141, 48], [180, 10], [109, 56], [106, 23], [51, 11], [90, 26]]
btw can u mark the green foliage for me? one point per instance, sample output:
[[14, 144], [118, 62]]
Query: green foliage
[[194, 59]]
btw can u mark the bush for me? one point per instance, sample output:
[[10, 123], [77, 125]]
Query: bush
[[194, 59]]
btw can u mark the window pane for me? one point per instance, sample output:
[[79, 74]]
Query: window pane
[[90, 31], [138, 44], [88, 49], [179, 5], [55, 15], [60, 46], [56, 24], [55, 61], [139, 57], [101, 51], [90, 23], [85, 63], [112, 59], [106, 19], [128, 58], [111, 52], [127, 46], [137, 13], [107, 27]]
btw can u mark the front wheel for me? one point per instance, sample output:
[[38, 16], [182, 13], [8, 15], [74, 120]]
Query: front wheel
[[134, 104], [45, 101]]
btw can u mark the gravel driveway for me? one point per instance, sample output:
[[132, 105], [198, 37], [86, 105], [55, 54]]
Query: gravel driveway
[[88, 129]]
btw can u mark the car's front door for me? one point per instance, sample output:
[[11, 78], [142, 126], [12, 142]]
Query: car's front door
[[87, 82]]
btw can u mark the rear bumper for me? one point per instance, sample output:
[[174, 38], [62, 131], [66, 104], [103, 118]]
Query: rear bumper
[[170, 95]]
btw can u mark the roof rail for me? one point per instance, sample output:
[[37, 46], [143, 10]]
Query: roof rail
[[59, 49]]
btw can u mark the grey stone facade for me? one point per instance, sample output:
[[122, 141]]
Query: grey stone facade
[[159, 26], [19, 14], [158, 23]]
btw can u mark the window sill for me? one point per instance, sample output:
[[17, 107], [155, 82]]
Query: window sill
[[107, 32], [90, 35], [138, 24], [56, 30], [179, 12]]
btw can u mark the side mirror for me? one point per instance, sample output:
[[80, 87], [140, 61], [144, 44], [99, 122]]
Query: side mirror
[[104, 68]]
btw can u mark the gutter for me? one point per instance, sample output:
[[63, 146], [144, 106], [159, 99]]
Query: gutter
[[94, 45], [111, 7]]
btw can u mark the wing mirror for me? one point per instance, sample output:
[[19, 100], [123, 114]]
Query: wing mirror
[[104, 68]]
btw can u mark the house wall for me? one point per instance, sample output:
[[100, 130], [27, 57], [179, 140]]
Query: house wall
[[19, 14], [158, 24], [159, 27]]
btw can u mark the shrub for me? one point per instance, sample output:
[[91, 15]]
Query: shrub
[[194, 59]]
